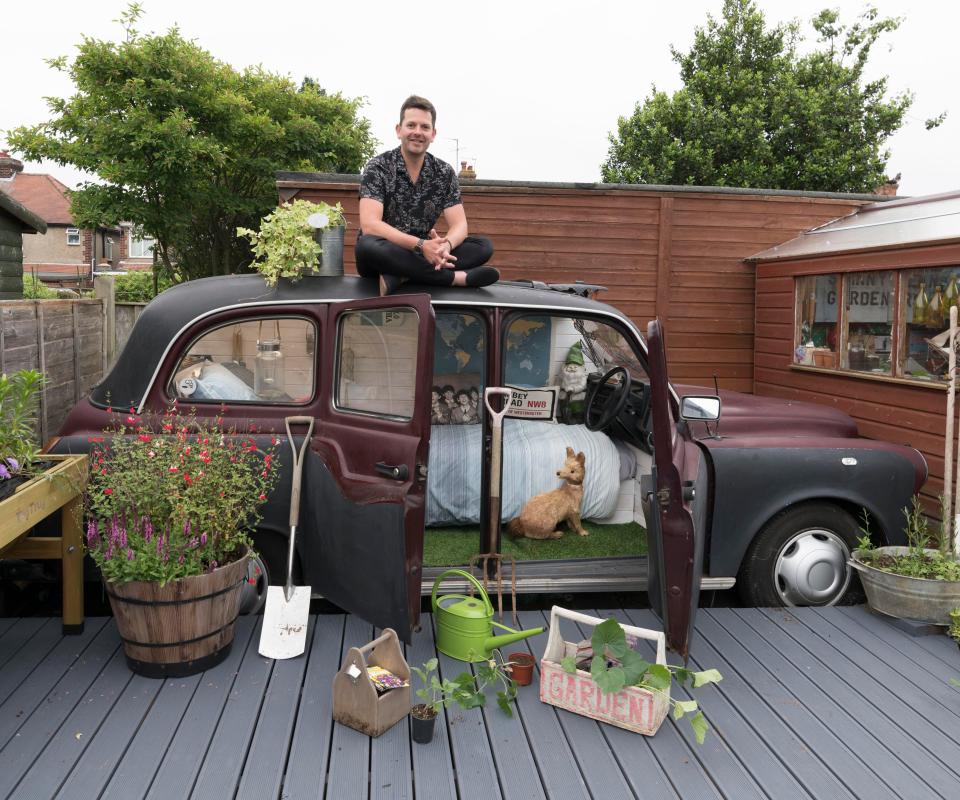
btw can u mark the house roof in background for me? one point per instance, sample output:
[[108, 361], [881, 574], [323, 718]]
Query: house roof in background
[[31, 222], [932, 219], [43, 194]]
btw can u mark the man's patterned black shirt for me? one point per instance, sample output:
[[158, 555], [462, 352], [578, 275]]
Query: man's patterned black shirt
[[408, 207]]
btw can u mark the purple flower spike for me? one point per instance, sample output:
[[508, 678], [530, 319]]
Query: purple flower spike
[[4, 472], [129, 555], [14, 464], [203, 539]]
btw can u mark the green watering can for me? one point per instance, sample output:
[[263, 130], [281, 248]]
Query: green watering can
[[465, 624]]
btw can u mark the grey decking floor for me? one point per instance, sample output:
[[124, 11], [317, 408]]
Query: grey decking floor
[[831, 703]]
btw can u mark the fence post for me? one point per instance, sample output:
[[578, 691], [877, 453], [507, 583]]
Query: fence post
[[104, 288]]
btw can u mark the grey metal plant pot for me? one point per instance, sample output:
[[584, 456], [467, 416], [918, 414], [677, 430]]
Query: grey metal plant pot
[[904, 597], [331, 259]]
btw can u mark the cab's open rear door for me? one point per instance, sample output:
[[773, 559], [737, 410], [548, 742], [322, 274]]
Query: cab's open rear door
[[365, 480]]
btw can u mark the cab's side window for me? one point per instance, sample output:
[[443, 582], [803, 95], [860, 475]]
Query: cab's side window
[[377, 362], [260, 360]]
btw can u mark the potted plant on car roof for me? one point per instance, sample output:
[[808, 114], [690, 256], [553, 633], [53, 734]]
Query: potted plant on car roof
[[286, 245], [169, 505]]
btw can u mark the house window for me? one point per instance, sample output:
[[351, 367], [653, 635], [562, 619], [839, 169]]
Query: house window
[[141, 246], [891, 323], [73, 236]]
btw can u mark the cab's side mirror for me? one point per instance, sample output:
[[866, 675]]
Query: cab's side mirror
[[700, 409]]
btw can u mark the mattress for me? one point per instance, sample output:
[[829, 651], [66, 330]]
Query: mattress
[[533, 451]]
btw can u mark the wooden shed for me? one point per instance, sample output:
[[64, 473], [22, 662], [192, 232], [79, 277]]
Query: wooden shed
[[15, 220], [676, 252], [853, 314]]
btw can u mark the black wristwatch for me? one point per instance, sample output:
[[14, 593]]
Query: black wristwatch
[[418, 247]]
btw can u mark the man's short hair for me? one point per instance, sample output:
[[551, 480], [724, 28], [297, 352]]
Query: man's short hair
[[415, 101]]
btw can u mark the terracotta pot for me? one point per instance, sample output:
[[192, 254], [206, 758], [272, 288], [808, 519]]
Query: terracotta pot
[[182, 628], [521, 668], [422, 724]]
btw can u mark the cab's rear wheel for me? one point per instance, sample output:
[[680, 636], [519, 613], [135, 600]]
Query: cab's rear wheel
[[800, 559]]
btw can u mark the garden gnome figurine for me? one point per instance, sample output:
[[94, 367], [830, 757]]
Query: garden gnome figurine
[[573, 385]]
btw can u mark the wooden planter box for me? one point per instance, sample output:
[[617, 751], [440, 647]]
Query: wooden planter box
[[632, 708], [60, 488]]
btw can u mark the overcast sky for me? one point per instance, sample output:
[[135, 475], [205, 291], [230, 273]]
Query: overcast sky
[[529, 88]]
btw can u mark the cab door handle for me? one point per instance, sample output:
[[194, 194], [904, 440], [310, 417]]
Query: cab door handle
[[398, 472]]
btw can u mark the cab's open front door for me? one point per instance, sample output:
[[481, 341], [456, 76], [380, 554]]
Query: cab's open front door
[[365, 480], [676, 524]]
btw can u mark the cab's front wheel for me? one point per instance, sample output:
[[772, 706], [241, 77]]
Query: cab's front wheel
[[800, 559]]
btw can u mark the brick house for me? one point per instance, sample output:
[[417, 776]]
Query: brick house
[[67, 254]]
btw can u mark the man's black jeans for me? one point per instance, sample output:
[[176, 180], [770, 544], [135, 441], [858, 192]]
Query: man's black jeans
[[376, 256]]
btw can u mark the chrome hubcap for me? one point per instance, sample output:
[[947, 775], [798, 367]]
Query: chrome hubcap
[[811, 569], [254, 591]]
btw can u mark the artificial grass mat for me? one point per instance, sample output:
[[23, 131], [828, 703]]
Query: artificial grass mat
[[454, 546]]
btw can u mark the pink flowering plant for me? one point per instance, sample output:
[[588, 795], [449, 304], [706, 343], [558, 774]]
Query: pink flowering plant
[[174, 499]]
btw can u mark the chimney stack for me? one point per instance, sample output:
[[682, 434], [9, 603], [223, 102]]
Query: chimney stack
[[466, 171], [9, 166]]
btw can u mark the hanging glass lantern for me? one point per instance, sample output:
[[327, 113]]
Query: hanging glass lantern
[[269, 377]]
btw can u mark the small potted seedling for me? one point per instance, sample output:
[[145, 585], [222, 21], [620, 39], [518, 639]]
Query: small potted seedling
[[435, 694]]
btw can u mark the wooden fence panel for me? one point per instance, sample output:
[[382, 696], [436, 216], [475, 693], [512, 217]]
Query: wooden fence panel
[[673, 253], [63, 339]]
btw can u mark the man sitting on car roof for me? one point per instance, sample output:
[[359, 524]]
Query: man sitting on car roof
[[403, 192]]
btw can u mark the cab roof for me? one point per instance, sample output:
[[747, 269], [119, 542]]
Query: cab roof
[[180, 306]]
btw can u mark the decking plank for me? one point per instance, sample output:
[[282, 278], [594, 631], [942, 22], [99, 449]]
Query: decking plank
[[306, 768], [349, 773], [910, 709], [816, 719], [5, 624], [433, 765], [675, 749], [391, 775], [223, 764], [68, 744], [96, 766], [873, 703], [266, 760], [893, 667], [185, 754], [138, 765], [23, 747], [552, 752], [930, 652], [730, 735], [870, 738], [591, 749], [18, 634], [509, 741], [18, 707], [29, 648], [476, 771]]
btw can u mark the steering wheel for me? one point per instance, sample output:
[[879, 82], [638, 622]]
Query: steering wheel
[[602, 409]]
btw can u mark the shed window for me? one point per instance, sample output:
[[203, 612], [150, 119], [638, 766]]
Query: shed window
[[73, 236], [891, 323]]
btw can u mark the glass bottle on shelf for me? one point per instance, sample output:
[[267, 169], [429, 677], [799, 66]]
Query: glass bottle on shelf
[[950, 296], [920, 304], [935, 310]]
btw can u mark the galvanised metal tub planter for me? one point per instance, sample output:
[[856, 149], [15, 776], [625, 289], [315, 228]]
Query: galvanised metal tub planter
[[906, 597]]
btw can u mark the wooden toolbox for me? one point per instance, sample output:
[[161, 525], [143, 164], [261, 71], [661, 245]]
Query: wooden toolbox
[[632, 708], [356, 702]]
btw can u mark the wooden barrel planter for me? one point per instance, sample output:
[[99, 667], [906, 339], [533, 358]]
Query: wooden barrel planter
[[182, 628]]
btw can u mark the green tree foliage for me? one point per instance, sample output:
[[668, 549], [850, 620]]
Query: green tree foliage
[[186, 146], [755, 112]]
